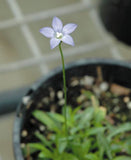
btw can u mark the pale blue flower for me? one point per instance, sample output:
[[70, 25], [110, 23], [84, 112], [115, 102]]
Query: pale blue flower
[[59, 33]]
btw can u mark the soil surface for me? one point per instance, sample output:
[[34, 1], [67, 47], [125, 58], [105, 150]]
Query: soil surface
[[116, 98]]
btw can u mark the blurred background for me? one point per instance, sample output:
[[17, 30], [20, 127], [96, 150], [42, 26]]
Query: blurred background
[[25, 54]]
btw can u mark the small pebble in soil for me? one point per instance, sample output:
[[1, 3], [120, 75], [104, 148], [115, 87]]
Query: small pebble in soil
[[24, 133], [115, 100], [126, 99], [25, 100], [41, 128], [46, 100], [39, 105], [116, 109], [129, 105], [87, 80], [52, 94], [61, 102], [108, 94], [97, 90], [60, 94], [104, 86], [74, 83], [119, 90], [22, 145], [33, 121], [53, 108]]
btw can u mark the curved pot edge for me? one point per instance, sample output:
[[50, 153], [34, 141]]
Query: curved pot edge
[[81, 62], [18, 119]]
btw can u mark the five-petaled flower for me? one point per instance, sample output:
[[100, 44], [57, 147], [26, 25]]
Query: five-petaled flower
[[59, 33]]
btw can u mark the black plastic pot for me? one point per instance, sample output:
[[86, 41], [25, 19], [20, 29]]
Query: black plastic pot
[[116, 71], [116, 15]]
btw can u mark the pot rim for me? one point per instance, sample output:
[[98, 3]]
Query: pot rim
[[82, 62]]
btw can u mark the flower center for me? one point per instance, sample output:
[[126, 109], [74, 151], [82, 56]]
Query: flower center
[[58, 35]]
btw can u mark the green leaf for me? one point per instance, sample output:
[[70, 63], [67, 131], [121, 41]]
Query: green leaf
[[39, 147], [77, 149], [122, 158], [88, 94], [46, 120], [43, 139], [75, 110], [120, 129], [80, 150], [92, 156], [99, 116], [127, 145], [42, 156], [62, 144], [56, 116], [68, 156], [68, 111], [104, 145], [76, 128], [86, 146], [95, 130], [101, 152], [27, 150], [95, 101], [116, 147], [86, 116]]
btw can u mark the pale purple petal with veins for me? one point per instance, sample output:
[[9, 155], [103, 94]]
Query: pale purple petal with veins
[[68, 40], [47, 32], [69, 28], [54, 42], [57, 24]]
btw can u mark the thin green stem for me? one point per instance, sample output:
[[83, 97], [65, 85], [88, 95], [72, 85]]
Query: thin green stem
[[65, 90]]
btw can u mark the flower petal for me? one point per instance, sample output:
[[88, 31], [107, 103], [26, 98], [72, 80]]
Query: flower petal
[[54, 42], [57, 24], [47, 32], [68, 40], [69, 28]]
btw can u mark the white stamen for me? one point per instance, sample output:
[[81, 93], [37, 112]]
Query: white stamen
[[58, 35]]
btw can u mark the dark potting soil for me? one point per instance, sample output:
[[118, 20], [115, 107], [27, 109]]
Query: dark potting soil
[[116, 98]]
